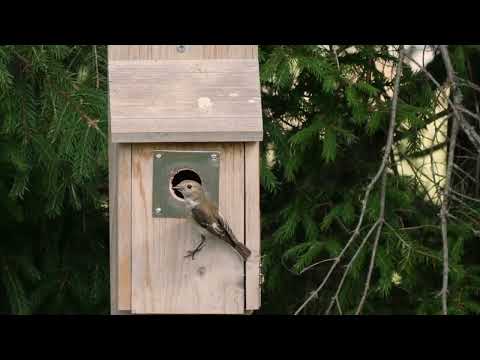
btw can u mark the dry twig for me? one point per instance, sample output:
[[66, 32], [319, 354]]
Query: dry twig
[[446, 191], [381, 220], [467, 128]]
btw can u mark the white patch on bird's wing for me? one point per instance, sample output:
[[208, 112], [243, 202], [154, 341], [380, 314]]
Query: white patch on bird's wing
[[217, 228]]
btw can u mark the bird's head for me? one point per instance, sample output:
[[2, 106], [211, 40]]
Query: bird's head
[[190, 190]]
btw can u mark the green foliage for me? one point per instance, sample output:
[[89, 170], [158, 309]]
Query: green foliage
[[53, 179], [326, 127]]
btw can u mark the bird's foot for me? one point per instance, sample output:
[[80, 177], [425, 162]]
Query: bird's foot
[[191, 253]]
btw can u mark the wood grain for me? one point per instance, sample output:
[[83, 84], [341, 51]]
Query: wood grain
[[124, 225], [163, 281], [120, 233], [112, 209], [209, 97], [163, 52], [181, 137], [252, 225]]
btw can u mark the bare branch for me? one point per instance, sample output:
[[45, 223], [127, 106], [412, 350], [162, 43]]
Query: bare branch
[[349, 266], [315, 264], [468, 83], [419, 227], [469, 130], [464, 196], [381, 220], [468, 112], [446, 191], [456, 167], [332, 48], [96, 65], [339, 308]]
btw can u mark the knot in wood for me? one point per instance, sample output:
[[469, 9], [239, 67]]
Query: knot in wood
[[201, 270]]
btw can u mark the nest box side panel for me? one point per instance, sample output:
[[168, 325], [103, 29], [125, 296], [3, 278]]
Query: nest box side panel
[[124, 226], [163, 280], [112, 230], [253, 273], [120, 227]]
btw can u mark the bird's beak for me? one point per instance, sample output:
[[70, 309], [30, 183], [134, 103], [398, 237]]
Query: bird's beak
[[179, 188]]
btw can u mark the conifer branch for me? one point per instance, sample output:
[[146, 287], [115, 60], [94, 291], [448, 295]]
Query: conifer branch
[[93, 123], [387, 150], [433, 119], [402, 240]]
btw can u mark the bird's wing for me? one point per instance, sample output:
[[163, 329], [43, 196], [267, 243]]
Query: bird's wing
[[224, 224], [206, 219], [209, 219]]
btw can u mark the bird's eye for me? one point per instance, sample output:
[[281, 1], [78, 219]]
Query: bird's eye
[[189, 186]]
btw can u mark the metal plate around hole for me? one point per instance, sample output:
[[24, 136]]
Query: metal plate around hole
[[166, 164]]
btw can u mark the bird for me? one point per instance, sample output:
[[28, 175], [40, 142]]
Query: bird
[[205, 216]]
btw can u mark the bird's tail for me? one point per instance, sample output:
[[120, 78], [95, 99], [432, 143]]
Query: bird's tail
[[242, 250]]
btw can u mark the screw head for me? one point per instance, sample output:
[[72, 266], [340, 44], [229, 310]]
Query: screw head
[[181, 48], [213, 156], [158, 211], [158, 156]]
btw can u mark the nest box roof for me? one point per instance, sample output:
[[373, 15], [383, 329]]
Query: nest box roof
[[191, 99]]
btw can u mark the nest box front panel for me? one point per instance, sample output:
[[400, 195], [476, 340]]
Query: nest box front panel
[[163, 279]]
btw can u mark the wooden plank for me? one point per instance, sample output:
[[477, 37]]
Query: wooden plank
[[124, 228], [142, 68], [252, 225], [112, 206], [116, 307], [163, 281], [181, 137], [158, 52], [210, 97]]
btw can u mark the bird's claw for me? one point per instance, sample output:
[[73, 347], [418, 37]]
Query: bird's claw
[[191, 253]]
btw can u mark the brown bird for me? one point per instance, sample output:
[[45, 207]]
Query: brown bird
[[205, 216]]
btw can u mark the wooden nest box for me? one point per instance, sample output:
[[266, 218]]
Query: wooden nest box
[[183, 112]]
